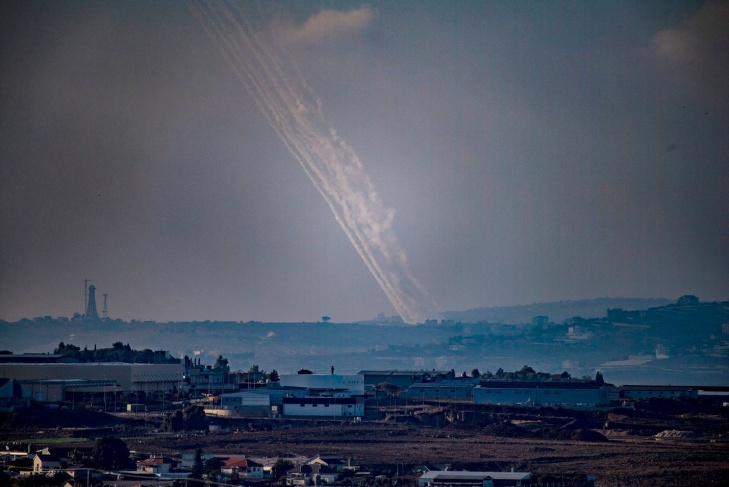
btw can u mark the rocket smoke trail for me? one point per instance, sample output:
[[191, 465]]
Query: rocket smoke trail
[[337, 173]]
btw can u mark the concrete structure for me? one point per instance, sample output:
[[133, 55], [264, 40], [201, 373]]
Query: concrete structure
[[91, 313], [49, 382], [325, 407], [354, 383], [564, 394], [472, 479]]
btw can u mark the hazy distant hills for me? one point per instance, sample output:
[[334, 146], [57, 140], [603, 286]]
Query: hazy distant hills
[[557, 311]]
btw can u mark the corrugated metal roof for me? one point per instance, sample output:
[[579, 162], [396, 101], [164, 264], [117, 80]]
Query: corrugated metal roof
[[524, 384]]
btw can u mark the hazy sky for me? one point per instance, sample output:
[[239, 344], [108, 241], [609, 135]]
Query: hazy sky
[[530, 152]]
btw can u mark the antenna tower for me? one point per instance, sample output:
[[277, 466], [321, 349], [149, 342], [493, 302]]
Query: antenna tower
[[105, 312]]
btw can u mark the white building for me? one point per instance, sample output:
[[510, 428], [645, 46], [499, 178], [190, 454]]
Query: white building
[[326, 407]]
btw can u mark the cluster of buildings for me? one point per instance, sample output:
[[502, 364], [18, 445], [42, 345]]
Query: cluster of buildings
[[299, 471], [114, 386]]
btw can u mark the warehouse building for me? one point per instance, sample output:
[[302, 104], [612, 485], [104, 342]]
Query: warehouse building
[[260, 403], [327, 407], [350, 384], [53, 382], [564, 394], [448, 390]]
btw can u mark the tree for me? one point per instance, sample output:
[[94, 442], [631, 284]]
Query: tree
[[212, 466], [174, 421], [475, 374], [110, 453], [194, 417], [198, 468], [280, 468], [220, 362], [273, 376]]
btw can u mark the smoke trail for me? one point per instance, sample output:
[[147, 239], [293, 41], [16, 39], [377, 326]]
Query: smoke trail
[[332, 166]]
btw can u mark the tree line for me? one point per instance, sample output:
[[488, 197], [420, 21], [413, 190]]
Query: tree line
[[118, 352]]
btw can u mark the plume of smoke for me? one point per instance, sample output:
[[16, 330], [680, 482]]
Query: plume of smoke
[[336, 171]]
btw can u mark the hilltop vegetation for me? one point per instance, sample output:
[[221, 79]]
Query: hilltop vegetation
[[118, 352]]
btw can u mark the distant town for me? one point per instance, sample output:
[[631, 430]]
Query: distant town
[[680, 342], [187, 395]]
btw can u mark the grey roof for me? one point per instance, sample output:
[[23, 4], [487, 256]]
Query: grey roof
[[455, 475], [528, 384]]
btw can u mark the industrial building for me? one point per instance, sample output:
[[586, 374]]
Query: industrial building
[[349, 384], [256, 402], [55, 382], [453, 390], [650, 391], [331, 407], [298, 395], [565, 394]]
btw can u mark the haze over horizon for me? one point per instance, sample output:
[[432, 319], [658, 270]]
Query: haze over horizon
[[525, 152]]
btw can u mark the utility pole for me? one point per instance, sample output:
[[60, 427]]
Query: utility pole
[[105, 313]]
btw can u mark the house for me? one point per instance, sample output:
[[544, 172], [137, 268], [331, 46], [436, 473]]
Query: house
[[473, 479], [332, 461], [43, 463], [242, 467], [314, 474], [156, 465]]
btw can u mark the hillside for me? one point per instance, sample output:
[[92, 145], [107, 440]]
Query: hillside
[[557, 311]]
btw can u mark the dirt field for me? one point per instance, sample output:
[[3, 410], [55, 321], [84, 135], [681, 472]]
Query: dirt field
[[621, 450]]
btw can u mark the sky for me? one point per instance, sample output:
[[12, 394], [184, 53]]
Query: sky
[[511, 153]]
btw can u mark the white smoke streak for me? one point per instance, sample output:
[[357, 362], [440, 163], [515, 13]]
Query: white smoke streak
[[332, 166]]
